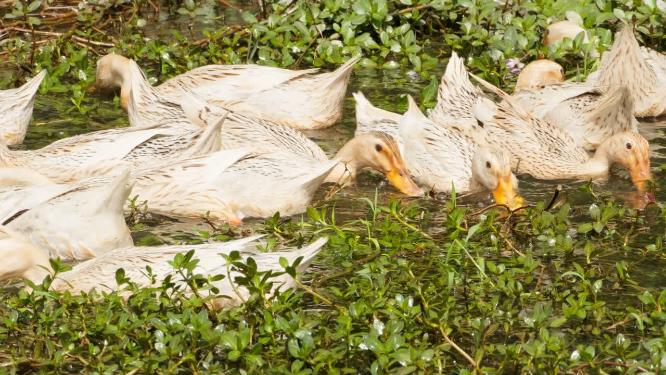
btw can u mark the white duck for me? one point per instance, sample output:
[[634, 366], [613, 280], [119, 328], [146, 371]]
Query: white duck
[[233, 184], [588, 114], [545, 151], [373, 150], [71, 159], [16, 107], [70, 222], [24, 260], [299, 99], [642, 71], [443, 158]]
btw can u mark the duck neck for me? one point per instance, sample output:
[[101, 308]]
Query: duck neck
[[348, 164], [598, 165]]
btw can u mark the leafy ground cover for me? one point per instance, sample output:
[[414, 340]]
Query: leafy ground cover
[[531, 293]]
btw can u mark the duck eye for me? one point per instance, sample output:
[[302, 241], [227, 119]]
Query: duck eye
[[629, 146], [488, 165], [378, 147], [478, 122]]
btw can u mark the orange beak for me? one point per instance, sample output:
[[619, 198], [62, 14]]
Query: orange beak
[[399, 178], [505, 194], [641, 175]]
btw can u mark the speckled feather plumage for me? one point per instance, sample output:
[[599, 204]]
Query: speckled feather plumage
[[640, 71], [65, 220], [96, 153], [588, 114], [16, 106], [299, 99]]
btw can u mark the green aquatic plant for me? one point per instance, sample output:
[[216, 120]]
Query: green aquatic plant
[[389, 296]]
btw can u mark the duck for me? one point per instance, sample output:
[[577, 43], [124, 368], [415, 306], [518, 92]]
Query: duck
[[28, 262], [72, 159], [589, 114], [16, 106], [558, 31], [231, 185], [538, 74], [642, 71], [300, 99], [243, 130], [456, 96], [547, 152], [443, 158], [71, 222], [373, 150]]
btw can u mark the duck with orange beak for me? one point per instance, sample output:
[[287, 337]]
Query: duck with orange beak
[[442, 158], [548, 152], [377, 151], [234, 184]]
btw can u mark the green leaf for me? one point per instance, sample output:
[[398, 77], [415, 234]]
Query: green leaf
[[249, 17], [585, 228], [33, 6]]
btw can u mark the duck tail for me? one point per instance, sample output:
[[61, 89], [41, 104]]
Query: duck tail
[[456, 92], [29, 89], [413, 107], [615, 111], [341, 75], [413, 111], [625, 65], [366, 113], [114, 194], [412, 120], [199, 111], [210, 139]]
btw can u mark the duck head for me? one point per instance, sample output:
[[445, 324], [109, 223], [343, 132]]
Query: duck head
[[113, 72], [557, 31], [378, 151], [632, 152], [539, 73], [491, 168]]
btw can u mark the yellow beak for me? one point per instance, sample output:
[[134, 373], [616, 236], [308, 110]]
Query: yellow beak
[[640, 176], [401, 181], [505, 194]]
